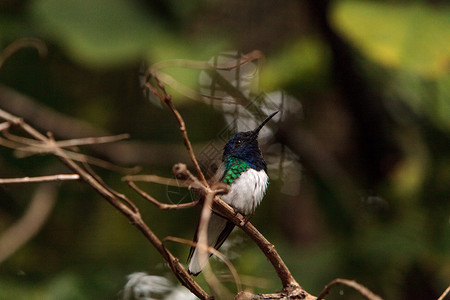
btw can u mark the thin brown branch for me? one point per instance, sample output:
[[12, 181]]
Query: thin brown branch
[[48, 178], [122, 197], [233, 271], [365, 292], [205, 216], [23, 43], [9, 144], [167, 99], [268, 249], [32, 221], [99, 162], [283, 295], [164, 181], [19, 122], [159, 204], [202, 248], [23, 144], [203, 65], [89, 141], [155, 71], [22, 140]]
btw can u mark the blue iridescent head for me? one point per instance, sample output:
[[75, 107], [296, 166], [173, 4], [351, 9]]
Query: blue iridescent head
[[244, 145]]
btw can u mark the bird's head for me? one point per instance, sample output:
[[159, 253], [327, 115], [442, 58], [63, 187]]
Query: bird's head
[[244, 145]]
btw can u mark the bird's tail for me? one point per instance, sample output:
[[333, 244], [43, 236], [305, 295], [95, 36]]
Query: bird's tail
[[218, 230]]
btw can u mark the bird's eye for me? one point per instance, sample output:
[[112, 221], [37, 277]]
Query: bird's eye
[[238, 142]]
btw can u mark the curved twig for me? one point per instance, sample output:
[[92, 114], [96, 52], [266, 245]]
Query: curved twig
[[32, 221], [160, 205], [167, 100], [365, 292], [23, 43]]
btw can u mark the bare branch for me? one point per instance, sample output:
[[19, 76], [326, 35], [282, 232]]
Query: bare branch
[[155, 71], [34, 218], [167, 99], [19, 122], [23, 144], [215, 252], [59, 177], [203, 252], [164, 181], [89, 141], [160, 205], [365, 292], [203, 65], [122, 197], [22, 43], [99, 162], [276, 296], [268, 249]]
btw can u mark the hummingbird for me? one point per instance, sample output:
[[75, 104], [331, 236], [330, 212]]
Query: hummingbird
[[244, 170]]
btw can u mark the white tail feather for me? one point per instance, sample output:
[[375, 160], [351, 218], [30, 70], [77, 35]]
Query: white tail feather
[[199, 259]]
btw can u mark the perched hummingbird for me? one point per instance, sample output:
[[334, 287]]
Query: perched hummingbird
[[244, 170]]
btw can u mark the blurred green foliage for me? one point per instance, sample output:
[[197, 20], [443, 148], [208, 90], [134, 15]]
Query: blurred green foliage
[[410, 37], [391, 234]]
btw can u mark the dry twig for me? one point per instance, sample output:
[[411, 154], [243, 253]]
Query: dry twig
[[20, 44], [234, 274], [49, 178], [31, 222], [365, 292], [167, 100], [157, 203]]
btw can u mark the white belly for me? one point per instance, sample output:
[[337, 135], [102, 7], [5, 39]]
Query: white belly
[[247, 191]]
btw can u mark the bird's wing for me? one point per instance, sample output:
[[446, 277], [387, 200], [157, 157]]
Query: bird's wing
[[224, 234]]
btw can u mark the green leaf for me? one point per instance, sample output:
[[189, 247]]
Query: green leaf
[[98, 33], [413, 37], [302, 60]]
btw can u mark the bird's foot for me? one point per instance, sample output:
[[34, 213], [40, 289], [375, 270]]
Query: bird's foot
[[237, 212], [246, 219]]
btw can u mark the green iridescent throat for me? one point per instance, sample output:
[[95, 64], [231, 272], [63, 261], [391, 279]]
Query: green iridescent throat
[[234, 167]]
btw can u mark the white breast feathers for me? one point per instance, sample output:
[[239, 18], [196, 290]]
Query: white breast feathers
[[247, 191]]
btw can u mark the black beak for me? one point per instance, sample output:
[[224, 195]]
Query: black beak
[[257, 129]]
